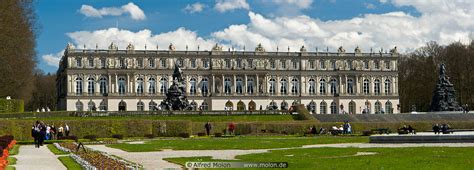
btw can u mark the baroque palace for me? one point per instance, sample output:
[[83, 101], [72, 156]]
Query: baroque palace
[[137, 80]]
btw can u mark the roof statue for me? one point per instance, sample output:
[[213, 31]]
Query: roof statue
[[69, 47], [112, 46], [341, 50], [217, 48], [381, 50], [130, 47], [357, 50], [302, 49], [394, 50], [259, 48], [171, 47]]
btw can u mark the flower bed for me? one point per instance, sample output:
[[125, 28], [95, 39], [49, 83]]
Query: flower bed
[[6, 143]]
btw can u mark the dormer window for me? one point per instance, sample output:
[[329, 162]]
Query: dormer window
[[91, 62], [78, 62]]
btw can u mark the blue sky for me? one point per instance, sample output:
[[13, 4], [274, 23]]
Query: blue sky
[[239, 23]]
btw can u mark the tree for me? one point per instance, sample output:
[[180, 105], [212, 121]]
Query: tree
[[17, 48], [44, 93]]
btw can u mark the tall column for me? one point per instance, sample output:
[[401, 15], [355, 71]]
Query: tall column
[[97, 84], [371, 85], [213, 84], [382, 85], [277, 85], [223, 84], [68, 83], [109, 87], [116, 83], [235, 86], [128, 84], [257, 89], [339, 90], [245, 85], [316, 85], [346, 85]]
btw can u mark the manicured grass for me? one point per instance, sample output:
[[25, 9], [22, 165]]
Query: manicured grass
[[69, 163], [55, 150], [343, 158], [194, 118], [11, 160], [240, 142], [10, 167], [14, 150]]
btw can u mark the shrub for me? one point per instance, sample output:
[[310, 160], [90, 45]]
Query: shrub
[[90, 137], [201, 134], [366, 133], [117, 136], [217, 134], [184, 135], [74, 138], [150, 136], [171, 128]]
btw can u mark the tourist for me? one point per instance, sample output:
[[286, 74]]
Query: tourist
[[35, 133], [313, 130], [411, 129], [345, 128], [53, 131], [60, 132], [231, 128], [42, 133], [67, 130], [322, 130], [436, 128], [208, 128], [48, 133], [349, 128]]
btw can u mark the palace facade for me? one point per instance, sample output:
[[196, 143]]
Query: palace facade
[[137, 80]]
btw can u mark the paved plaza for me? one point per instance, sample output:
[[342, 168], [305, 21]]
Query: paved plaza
[[41, 158]]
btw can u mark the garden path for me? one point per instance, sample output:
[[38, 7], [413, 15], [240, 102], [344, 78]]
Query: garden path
[[41, 158]]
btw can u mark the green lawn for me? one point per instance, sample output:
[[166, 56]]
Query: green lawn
[[11, 160], [69, 163], [14, 150], [343, 158], [240, 142], [55, 150]]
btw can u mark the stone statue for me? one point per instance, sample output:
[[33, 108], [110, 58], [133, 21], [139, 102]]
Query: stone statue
[[176, 95], [217, 48], [394, 50], [171, 47], [444, 98], [341, 50], [112, 46], [357, 50], [130, 47], [259, 48], [302, 49]]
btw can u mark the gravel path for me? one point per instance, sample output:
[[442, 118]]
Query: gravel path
[[41, 158], [388, 145]]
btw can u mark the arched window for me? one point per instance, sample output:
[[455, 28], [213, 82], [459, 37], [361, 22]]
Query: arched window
[[333, 86], [350, 86], [122, 85], [333, 108], [193, 105], [151, 85], [239, 85], [388, 107], [192, 88], [322, 86], [312, 86], [284, 105], [272, 88], [152, 106], [295, 102], [227, 86], [140, 106], [377, 87], [229, 105], [90, 86], [388, 86], [312, 107], [367, 107], [366, 86], [284, 86], [205, 86], [103, 105], [378, 107], [250, 85], [294, 86], [79, 106], [103, 85], [240, 106], [204, 106], [91, 106], [79, 86], [252, 105], [163, 85], [122, 106], [273, 106], [323, 107], [140, 86], [352, 107]]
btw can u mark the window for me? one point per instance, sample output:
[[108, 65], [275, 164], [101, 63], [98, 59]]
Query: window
[[152, 106], [79, 106], [91, 106], [284, 105], [294, 86], [295, 64], [122, 85], [273, 106], [140, 86], [227, 86], [311, 64], [352, 107], [192, 88], [388, 107], [180, 62], [250, 85], [204, 106], [151, 86], [366, 64], [239, 63], [205, 86], [333, 86], [272, 88], [79, 86], [350, 86], [387, 65], [103, 85], [103, 105], [367, 108], [164, 85], [283, 64], [388, 86], [284, 86], [272, 64], [140, 62], [333, 108], [377, 87], [163, 63], [322, 86], [349, 65], [323, 108], [377, 64], [103, 62], [333, 65], [322, 64], [250, 63], [312, 86], [227, 63], [193, 63], [240, 106], [140, 106], [193, 105], [151, 63], [239, 85], [122, 106], [312, 107], [366, 86], [91, 62], [205, 63], [90, 86], [122, 63], [378, 107], [78, 62]]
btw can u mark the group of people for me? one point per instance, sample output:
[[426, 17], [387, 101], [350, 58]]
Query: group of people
[[41, 132], [465, 108], [345, 128], [230, 130], [408, 129], [444, 128]]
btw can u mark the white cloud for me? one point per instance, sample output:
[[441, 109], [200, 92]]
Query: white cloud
[[369, 6], [298, 3], [229, 5], [135, 12], [194, 8], [53, 59]]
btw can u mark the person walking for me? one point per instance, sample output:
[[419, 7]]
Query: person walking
[[35, 133], [42, 133], [60, 132], [67, 130], [208, 128], [231, 128]]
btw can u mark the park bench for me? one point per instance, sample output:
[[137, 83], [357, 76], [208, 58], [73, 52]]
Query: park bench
[[381, 131], [335, 131]]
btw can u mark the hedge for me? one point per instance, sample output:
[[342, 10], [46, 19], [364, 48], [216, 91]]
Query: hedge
[[11, 105]]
